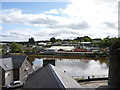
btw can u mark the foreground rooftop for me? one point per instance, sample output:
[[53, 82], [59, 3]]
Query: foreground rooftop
[[50, 77]]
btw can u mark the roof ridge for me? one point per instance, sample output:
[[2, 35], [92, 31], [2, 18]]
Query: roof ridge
[[55, 74], [59, 72], [53, 68], [48, 77]]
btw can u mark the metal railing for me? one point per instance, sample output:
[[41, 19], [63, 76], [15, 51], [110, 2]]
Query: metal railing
[[90, 77]]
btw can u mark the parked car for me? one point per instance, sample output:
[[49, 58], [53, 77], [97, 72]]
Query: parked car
[[15, 84]]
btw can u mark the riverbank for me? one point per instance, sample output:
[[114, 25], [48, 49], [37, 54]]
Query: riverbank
[[32, 57], [82, 54], [65, 54], [60, 56], [94, 84]]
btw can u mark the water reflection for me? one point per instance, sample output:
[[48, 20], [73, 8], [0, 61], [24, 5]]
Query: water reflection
[[82, 68], [37, 63], [79, 67]]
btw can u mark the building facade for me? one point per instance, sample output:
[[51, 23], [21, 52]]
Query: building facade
[[14, 68]]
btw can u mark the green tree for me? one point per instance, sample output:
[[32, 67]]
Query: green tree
[[52, 39], [106, 42], [58, 40], [31, 40], [15, 47]]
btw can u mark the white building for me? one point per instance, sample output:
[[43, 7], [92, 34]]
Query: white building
[[42, 44], [65, 48], [85, 43], [50, 50]]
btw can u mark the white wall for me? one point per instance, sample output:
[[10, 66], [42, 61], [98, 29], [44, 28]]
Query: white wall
[[8, 77], [0, 77]]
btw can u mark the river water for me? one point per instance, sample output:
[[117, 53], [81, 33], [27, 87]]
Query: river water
[[78, 67]]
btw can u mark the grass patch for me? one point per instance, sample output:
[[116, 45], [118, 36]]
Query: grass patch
[[16, 54]]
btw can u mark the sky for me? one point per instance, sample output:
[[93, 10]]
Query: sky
[[62, 20]]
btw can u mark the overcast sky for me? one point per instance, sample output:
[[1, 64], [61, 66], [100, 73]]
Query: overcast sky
[[43, 20]]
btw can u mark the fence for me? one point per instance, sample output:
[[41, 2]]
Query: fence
[[90, 77]]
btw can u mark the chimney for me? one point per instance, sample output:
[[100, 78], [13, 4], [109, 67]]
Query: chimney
[[114, 66], [48, 61]]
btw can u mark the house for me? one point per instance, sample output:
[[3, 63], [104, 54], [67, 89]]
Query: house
[[80, 50], [85, 43], [2, 75], [1, 43], [50, 77], [41, 44], [38, 48], [27, 48], [7, 72], [49, 50], [15, 68]]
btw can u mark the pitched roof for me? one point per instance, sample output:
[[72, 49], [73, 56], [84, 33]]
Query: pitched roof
[[62, 47], [50, 77], [80, 50], [16, 60], [6, 63]]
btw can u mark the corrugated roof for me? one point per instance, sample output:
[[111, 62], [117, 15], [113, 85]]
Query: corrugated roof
[[50, 77]]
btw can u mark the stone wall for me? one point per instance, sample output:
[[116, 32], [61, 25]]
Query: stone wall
[[25, 70]]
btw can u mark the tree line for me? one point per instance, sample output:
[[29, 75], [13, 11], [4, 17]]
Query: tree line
[[102, 43]]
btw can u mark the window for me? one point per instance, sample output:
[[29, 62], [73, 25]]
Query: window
[[6, 65], [26, 64], [16, 83]]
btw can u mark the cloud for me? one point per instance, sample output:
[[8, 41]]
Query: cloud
[[54, 11], [45, 34], [16, 16], [82, 25], [94, 18], [17, 35], [0, 27], [108, 1], [110, 25]]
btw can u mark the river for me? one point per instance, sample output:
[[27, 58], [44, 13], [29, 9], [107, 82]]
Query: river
[[78, 67]]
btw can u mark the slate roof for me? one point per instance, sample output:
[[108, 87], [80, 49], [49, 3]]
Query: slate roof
[[6, 63], [50, 77], [16, 60]]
